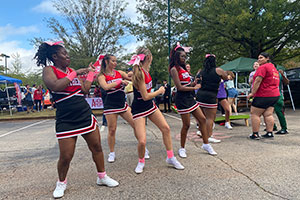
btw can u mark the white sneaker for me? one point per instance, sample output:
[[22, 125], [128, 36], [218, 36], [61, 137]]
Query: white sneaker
[[111, 157], [209, 149], [175, 163], [227, 125], [147, 156], [139, 168], [107, 181], [199, 133], [102, 128], [59, 190], [213, 140], [182, 153]]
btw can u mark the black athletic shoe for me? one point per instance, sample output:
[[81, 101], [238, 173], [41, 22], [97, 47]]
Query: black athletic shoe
[[274, 129], [268, 135], [282, 132], [254, 136]]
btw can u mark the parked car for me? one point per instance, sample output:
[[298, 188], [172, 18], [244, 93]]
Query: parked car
[[12, 96], [243, 89], [294, 76]]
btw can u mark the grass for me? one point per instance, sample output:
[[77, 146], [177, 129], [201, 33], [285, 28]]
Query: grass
[[47, 113]]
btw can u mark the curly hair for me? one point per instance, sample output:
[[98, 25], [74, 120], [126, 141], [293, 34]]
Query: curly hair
[[44, 54]]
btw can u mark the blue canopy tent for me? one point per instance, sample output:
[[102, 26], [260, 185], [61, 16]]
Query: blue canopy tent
[[8, 80]]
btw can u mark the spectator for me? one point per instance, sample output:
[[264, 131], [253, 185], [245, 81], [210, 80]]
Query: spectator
[[279, 106], [158, 99], [266, 93], [38, 96], [28, 98], [255, 66], [167, 96], [222, 99], [129, 89], [232, 92], [97, 91]]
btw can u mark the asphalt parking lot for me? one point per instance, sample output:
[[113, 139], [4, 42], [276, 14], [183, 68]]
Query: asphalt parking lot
[[243, 169]]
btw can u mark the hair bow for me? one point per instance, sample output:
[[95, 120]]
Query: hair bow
[[99, 60], [207, 55], [186, 49], [54, 43], [135, 59]]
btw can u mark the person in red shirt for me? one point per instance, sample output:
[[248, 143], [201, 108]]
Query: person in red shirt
[[38, 96], [266, 93]]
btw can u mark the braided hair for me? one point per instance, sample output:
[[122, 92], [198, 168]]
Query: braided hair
[[45, 52]]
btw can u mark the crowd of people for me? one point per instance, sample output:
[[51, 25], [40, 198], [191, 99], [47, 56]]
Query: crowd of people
[[34, 98], [74, 116]]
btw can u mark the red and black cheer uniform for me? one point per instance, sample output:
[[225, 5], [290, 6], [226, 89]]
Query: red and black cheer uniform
[[184, 100], [73, 114], [141, 108], [114, 101], [207, 94]]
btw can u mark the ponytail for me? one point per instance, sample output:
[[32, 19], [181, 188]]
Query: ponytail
[[138, 75], [103, 63]]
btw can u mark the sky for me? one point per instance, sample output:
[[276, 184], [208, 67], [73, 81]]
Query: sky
[[22, 20]]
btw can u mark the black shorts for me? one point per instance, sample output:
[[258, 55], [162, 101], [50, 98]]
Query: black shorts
[[221, 99], [264, 102]]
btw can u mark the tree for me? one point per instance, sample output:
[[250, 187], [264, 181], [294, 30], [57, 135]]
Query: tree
[[152, 28], [2, 69], [246, 28], [88, 28], [227, 28], [16, 64]]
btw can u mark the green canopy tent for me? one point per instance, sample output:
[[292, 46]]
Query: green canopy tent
[[242, 64]]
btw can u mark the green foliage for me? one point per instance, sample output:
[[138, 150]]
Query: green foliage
[[88, 28], [227, 28], [2, 69]]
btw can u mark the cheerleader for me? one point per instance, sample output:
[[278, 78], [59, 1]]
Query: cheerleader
[[112, 82], [143, 106], [74, 116], [210, 77], [184, 100]]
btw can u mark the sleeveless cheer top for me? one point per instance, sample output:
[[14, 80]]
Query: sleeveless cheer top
[[207, 94], [73, 114], [141, 108], [114, 101], [184, 100]]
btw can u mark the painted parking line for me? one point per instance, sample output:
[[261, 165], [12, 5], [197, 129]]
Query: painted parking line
[[10, 132]]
